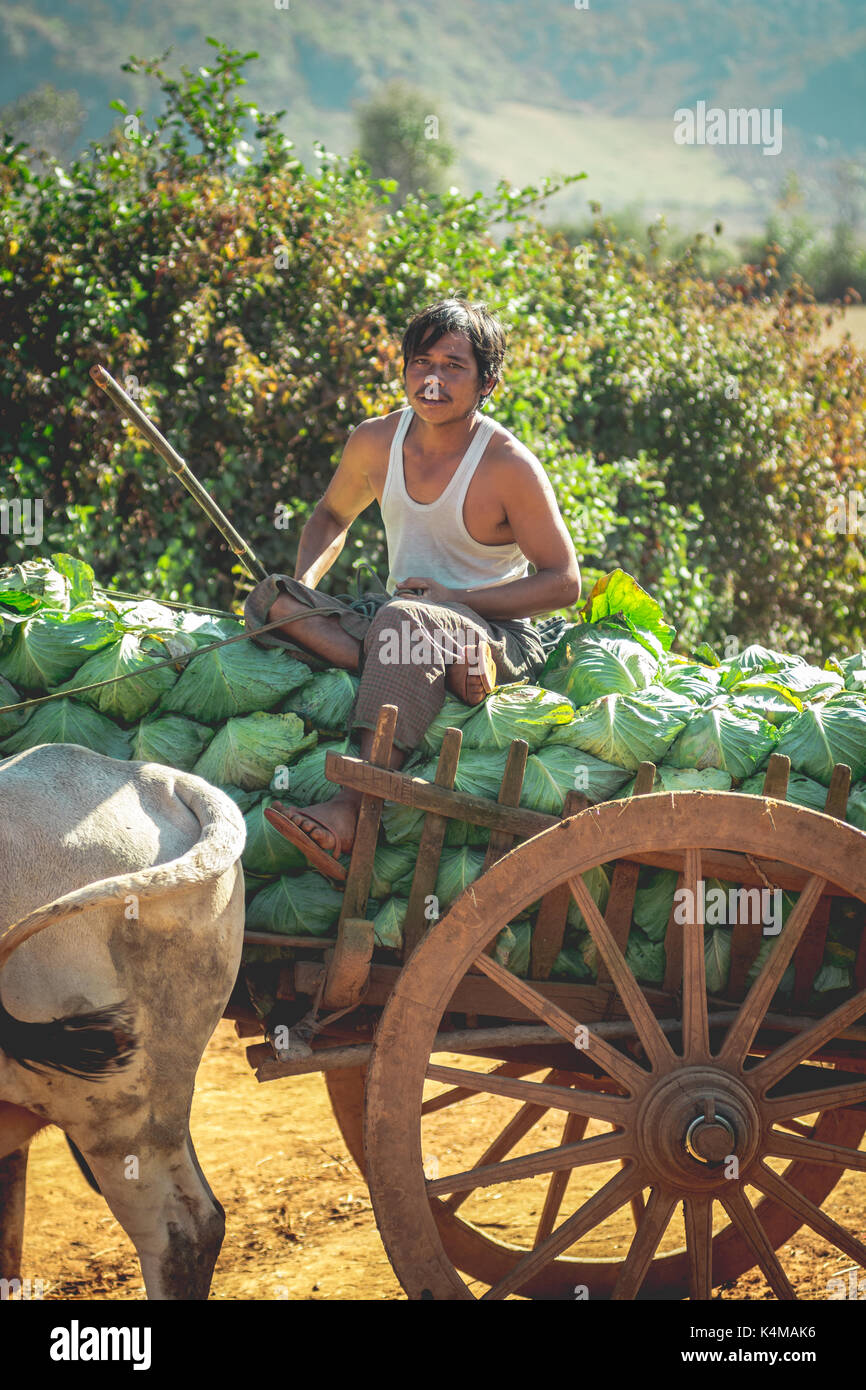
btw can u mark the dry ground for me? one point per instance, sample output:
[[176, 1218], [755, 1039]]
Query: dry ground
[[300, 1225]]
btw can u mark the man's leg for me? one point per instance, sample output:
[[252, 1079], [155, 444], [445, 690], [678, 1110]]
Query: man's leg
[[331, 824]]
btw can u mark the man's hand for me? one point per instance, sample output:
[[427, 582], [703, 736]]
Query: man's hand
[[428, 590]]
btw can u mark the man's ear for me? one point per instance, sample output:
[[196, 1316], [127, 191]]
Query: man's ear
[[487, 389]]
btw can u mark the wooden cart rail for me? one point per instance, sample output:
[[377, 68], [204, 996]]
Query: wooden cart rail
[[348, 978]]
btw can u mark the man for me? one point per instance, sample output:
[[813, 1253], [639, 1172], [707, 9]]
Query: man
[[465, 507]]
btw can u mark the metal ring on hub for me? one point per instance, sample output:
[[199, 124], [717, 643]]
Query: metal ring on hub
[[710, 1141]]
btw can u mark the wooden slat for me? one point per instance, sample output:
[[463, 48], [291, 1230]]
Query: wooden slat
[[476, 994], [349, 963], [430, 849], [776, 777], [674, 945], [272, 938], [425, 796], [549, 930], [736, 868], [810, 952], [360, 872], [510, 788], [623, 887]]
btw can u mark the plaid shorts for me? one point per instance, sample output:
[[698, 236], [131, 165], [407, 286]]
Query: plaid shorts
[[406, 647]]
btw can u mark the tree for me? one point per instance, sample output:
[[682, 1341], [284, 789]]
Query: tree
[[403, 138], [48, 120]]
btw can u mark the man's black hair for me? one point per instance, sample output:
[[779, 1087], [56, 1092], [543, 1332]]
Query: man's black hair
[[474, 321]]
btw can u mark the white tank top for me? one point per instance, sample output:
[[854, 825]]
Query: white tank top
[[430, 538]]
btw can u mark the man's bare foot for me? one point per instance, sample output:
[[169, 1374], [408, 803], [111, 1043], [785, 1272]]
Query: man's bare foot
[[474, 677], [330, 823]]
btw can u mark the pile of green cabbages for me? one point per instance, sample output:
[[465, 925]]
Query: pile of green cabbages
[[258, 723]]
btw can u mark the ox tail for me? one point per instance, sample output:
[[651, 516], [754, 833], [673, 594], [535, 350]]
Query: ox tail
[[84, 1045], [212, 855], [102, 1041]]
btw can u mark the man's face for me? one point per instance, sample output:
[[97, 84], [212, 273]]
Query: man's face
[[442, 380]]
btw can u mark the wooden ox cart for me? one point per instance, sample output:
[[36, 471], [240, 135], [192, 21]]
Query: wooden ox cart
[[661, 1140]]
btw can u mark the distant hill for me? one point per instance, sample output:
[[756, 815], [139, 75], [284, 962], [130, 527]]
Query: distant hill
[[527, 88]]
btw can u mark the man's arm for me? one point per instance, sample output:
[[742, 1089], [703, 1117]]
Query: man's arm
[[345, 497], [541, 533]]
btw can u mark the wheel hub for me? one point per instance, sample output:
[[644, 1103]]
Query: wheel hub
[[693, 1122]]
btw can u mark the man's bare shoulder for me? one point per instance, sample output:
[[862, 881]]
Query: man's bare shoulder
[[514, 464], [378, 430]]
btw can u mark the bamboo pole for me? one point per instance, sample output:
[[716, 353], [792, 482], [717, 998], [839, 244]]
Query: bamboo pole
[[179, 468]]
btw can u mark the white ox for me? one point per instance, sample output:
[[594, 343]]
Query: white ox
[[123, 884]]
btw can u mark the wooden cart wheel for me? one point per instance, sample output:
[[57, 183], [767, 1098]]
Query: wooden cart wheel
[[677, 1116]]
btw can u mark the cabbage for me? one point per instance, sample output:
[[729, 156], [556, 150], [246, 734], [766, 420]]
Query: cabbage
[[515, 711], [48, 647], [245, 752], [207, 628], [393, 869], [325, 699], [717, 955], [645, 958], [388, 923], [754, 660], [857, 806], [654, 900], [766, 698], [618, 596], [453, 715], [718, 736], [171, 740], [802, 791], [126, 699], [589, 662], [457, 868], [698, 682], [267, 852], [478, 772], [301, 906], [15, 718], [854, 671], [626, 730], [233, 680], [685, 779], [245, 800], [810, 682], [825, 734], [68, 721], [555, 770], [512, 948], [305, 783], [570, 965], [598, 883], [63, 582]]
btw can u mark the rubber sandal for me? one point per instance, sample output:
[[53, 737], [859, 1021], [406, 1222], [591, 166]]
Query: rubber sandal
[[276, 815]]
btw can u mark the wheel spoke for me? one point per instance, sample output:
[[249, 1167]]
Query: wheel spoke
[[696, 1034], [613, 1062], [653, 1040], [775, 1186], [459, 1093], [807, 1102], [653, 1224], [618, 1190], [600, 1107], [813, 1151], [602, 1148], [742, 1214], [518, 1126], [760, 996], [698, 1217], [573, 1130], [802, 1045]]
